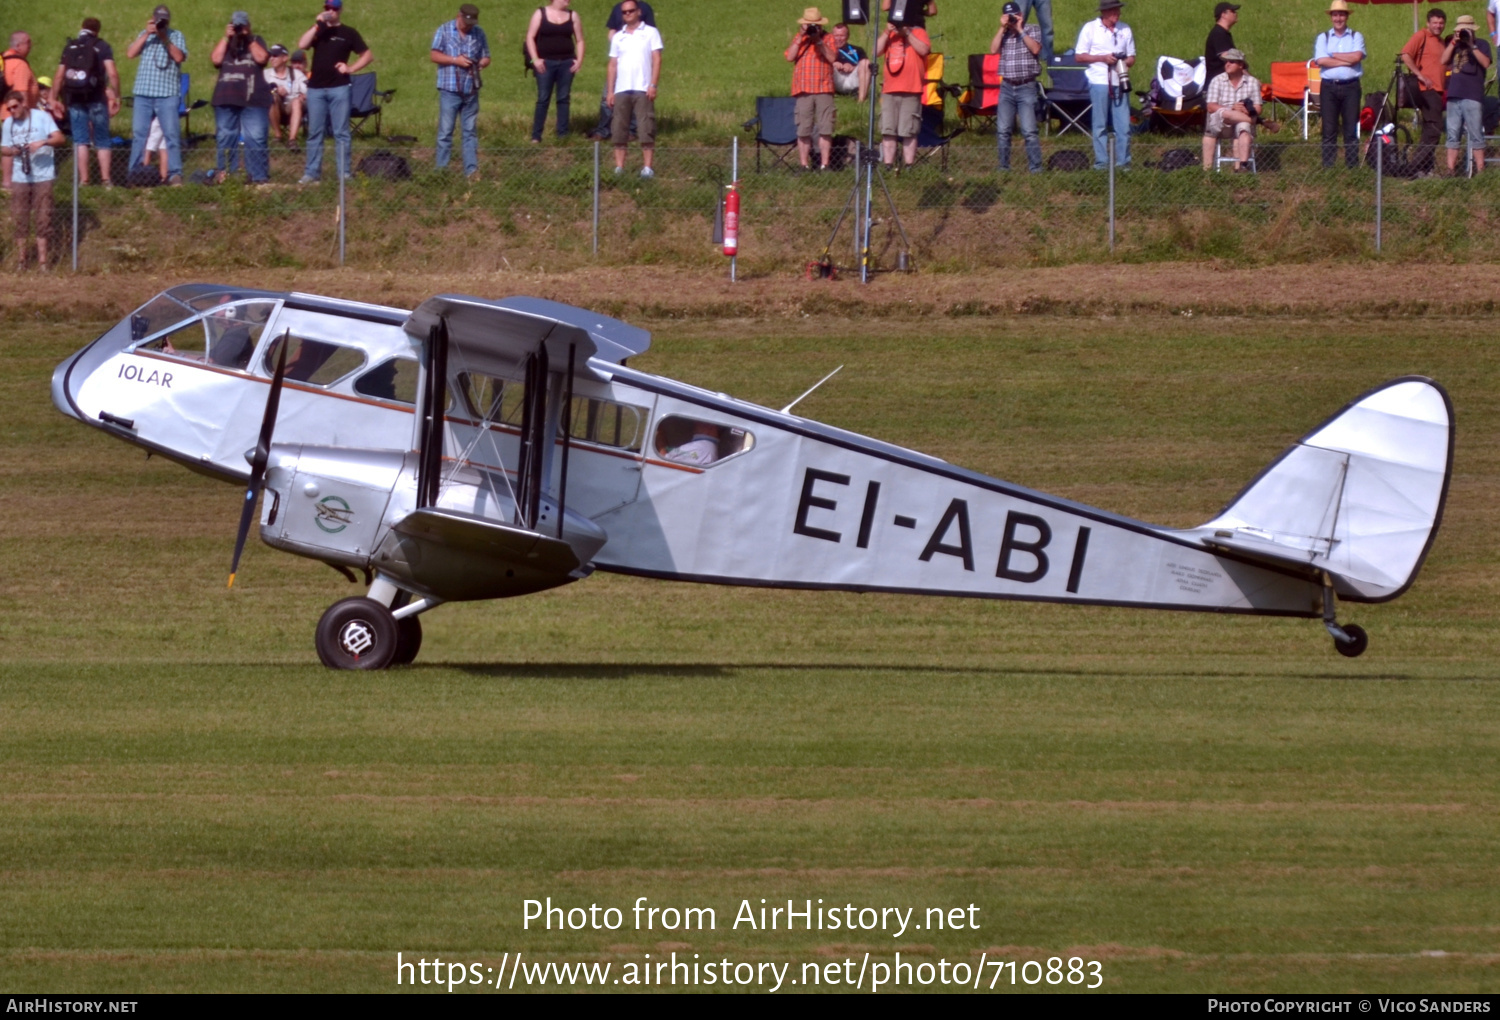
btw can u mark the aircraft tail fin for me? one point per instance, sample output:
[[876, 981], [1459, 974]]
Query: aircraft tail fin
[[1361, 496]]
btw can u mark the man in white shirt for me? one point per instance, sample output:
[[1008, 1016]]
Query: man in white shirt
[[287, 76], [1106, 47], [630, 85]]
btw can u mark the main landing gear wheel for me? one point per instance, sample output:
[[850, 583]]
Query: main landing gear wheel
[[408, 641], [1357, 643], [357, 634]]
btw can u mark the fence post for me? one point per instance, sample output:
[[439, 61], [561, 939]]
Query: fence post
[[75, 204], [1111, 156], [859, 161], [734, 176], [596, 196], [1379, 197], [339, 157]]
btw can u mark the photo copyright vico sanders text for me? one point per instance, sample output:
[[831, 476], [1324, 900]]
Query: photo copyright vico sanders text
[[678, 966]]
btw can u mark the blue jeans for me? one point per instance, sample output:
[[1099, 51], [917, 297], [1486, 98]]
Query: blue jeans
[[253, 123], [1466, 115], [163, 109], [90, 119], [1043, 21], [327, 113], [1018, 103], [464, 110], [1104, 111], [558, 73]]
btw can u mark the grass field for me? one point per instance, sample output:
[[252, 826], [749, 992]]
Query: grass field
[[720, 54], [189, 802]]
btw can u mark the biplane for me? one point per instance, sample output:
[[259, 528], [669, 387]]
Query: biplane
[[478, 449]]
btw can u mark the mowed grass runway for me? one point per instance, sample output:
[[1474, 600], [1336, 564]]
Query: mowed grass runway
[[189, 802]]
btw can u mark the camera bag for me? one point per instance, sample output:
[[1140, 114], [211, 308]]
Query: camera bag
[[83, 71]]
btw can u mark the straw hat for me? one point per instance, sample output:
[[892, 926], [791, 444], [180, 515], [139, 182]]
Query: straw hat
[[1338, 6], [812, 16]]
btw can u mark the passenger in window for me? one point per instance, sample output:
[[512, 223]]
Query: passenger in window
[[232, 342], [379, 381], [699, 451]]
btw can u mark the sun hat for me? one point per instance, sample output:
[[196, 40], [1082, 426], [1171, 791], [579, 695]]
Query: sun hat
[[812, 16]]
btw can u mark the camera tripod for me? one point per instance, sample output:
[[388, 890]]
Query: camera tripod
[[868, 164]]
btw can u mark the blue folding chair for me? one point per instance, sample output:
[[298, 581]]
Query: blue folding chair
[[775, 124], [366, 103], [1067, 95], [185, 111]]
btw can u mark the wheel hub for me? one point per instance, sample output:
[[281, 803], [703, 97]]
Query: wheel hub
[[356, 638]]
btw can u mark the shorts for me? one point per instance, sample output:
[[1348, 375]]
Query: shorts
[[640, 106], [1466, 115], [90, 121], [815, 116], [901, 114], [28, 202], [846, 84], [1216, 128]]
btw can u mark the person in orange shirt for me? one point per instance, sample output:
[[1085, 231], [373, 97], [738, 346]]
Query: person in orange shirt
[[18, 76], [905, 51], [1423, 57]]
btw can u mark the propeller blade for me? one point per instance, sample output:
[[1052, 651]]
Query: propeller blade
[[261, 456]]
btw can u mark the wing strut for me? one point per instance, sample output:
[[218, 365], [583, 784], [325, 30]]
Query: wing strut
[[567, 437], [533, 434], [434, 403]]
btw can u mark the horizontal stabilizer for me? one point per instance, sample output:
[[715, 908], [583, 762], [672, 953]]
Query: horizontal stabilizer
[[1360, 497]]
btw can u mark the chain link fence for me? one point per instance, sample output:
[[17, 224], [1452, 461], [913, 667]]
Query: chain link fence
[[555, 206]]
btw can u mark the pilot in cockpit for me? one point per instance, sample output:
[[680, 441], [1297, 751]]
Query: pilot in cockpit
[[701, 450]]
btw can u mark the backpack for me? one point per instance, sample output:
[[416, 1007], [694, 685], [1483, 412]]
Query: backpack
[[83, 71], [385, 164], [1178, 159], [1067, 159]]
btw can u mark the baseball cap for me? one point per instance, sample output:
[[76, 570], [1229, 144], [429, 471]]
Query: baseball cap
[[278, 50], [299, 57], [240, 18], [337, 5], [1011, 7], [1220, 8], [469, 12], [162, 13], [44, 81]]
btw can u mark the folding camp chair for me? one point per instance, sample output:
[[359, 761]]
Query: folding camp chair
[[1288, 88], [1312, 91], [775, 124], [1067, 95], [185, 111], [981, 100], [366, 103], [930, 138]]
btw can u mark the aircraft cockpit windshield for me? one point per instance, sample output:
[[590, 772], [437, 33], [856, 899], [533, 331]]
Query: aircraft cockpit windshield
[[226, 336], [182, 303]]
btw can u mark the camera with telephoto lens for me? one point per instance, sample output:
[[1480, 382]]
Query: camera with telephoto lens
[[162, 23], [1123, 70], [1463, 39], [813, 31]]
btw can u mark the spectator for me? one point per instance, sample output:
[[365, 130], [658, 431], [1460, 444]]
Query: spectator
[[28, 137], [916, 12], [554, 41], [615, 22], [1107, 46], [242, 100], [18, 76], [1219, 40], [1043, 10], [1423, 56], [812, 52], [461, 51], [905, 50], [88, 90], [1492, 14], [161, 49], [328, 89], [1018, 45], [287, 76], [631, 81], [1467, 58], [1340, 52], [156, 147], [701, 450], [1232, 99], [851, 66]]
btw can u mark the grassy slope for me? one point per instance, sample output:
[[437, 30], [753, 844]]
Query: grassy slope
[[1199, 802], [720, 53]]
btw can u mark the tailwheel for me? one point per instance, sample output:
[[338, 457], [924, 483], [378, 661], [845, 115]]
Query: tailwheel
[[408, 641], [1357, 641], [358, 633]]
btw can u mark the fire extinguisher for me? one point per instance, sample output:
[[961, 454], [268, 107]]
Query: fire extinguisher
[[732, 220]]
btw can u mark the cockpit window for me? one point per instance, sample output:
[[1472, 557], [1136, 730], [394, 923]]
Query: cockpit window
[[395, 379], [699, 443], [156, 315], [314, 361], [225, 337], [607, 423]]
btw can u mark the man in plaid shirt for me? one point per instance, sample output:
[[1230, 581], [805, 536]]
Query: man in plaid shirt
[[1233, 100], [461, 51], [1018, 45], [813, 53], [161, 50]]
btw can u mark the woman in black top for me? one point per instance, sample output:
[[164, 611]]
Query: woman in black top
[[554, 42]]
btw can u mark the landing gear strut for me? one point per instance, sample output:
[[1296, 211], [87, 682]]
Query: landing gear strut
[[374, 632], [1349, 640]]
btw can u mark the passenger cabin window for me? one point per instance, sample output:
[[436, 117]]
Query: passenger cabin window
[[225, 337], [314, 361], [395, 379], [699, 443], [493, 400], [607, 423]]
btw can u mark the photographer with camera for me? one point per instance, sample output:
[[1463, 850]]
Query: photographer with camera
[[905, 50], [1107, 46], [1467, 59], [328, 87], [242, 101], [161, 49], [1018, 45], [1423, 57], [812, 53], [1233, 110]]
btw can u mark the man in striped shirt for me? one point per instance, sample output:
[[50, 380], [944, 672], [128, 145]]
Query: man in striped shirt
[[812, 53]]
